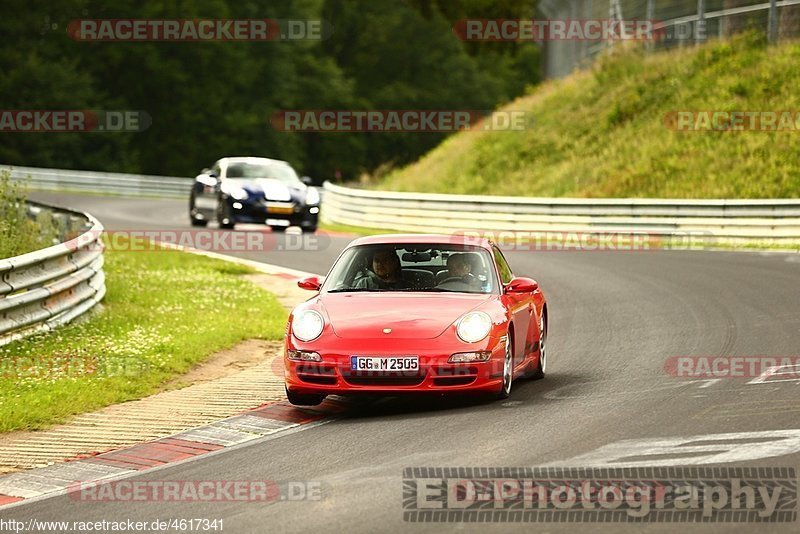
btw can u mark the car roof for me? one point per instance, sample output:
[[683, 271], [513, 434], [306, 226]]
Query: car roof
[[433, 239], [250, 159]]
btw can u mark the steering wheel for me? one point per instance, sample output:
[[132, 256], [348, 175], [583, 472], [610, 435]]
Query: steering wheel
[[469, 278]]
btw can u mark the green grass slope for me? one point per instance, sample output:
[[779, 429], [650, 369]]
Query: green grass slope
[[602, 133]]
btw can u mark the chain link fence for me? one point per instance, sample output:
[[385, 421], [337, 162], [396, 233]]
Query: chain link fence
[[675, 23]]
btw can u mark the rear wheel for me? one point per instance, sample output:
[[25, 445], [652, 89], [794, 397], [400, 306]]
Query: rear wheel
[[300, 399], [279, 229]]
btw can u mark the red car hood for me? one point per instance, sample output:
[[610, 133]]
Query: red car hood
[[409, 315]]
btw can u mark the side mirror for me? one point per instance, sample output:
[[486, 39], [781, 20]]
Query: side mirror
[[520, 284], [307, 180], [312, 283]]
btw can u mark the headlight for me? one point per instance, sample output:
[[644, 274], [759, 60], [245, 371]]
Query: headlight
[[312, 196], [307, 325], [234, 191], [473, 326]]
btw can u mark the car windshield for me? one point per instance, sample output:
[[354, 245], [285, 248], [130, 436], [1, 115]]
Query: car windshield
[[252, 171], [415, 267]]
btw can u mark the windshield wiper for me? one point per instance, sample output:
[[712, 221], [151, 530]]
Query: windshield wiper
[[353, 289]]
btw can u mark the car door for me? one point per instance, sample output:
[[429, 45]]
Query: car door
[[520, 306]]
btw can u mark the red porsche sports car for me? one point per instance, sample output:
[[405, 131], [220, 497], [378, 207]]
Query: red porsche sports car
[[415, 313]]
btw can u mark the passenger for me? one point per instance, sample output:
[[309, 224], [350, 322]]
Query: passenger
[[386, 272]]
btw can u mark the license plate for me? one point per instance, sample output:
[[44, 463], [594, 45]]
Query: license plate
[[391, 363], [283, 210]]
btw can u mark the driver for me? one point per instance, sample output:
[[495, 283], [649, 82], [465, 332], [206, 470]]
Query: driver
[[386, 273], [459, 266]]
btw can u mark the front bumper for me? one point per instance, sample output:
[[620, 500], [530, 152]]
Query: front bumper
[[260, 211], [334, 376]]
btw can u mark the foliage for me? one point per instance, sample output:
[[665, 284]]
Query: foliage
[[215, 99]]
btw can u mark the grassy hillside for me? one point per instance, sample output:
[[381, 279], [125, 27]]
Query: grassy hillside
[[601, 133]]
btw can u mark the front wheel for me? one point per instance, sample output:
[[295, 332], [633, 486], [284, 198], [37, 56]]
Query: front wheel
[[224, 219], [300, 399], [541, 367], [508, 369], [192, 210]]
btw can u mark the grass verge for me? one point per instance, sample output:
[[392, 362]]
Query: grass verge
[[20, 233], [165, 311]]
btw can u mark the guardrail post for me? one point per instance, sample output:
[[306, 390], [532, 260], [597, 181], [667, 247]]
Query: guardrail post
[[772, 22], [649, 15], [700, 23]]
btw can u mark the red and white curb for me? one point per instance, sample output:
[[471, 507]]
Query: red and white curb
[[265, 422]]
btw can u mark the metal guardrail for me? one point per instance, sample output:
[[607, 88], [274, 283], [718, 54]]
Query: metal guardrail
[[47, 288], [720, 219], [101, 182], [717, 219]]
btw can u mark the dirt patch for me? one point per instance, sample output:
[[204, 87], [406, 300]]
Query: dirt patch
[[241, 356], [284, 288]]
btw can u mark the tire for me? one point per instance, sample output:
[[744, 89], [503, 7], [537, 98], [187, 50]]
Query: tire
[[221, 216], [299, 399], [192, 219], [279, 229], [310, 230], [541, 367], [508, 369]]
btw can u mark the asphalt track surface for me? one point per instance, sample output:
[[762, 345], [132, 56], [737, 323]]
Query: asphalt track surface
[[615, 318]]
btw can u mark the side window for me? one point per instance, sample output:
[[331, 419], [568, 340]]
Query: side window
[[215, 169], [502, 266]]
